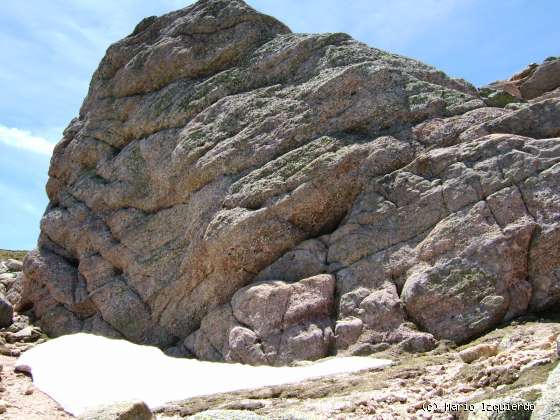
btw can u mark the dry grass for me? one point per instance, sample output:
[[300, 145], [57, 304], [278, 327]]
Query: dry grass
[[16, 255]]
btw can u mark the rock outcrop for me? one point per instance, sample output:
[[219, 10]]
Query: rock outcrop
[[240, 192], [534, 83]]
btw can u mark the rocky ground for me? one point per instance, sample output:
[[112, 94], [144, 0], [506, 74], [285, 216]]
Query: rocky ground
[[18, 397], [21, 400], [512, 363]]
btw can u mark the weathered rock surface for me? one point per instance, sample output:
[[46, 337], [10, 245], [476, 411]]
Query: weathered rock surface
[[271, 322], [13, 265], [534, 83], [136, 410], [548, 406], [17, 334], [11, 288], [6, 313], [237, 191], [509, 408]]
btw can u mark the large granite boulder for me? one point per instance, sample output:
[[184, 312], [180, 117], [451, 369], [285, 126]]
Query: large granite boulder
[[244, 193]]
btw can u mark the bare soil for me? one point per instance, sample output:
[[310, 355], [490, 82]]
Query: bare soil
[[22, 399]]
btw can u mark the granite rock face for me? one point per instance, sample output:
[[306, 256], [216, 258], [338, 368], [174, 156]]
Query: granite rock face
[[244, 193]]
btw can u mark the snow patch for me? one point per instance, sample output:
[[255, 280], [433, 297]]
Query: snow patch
[[84, 371]]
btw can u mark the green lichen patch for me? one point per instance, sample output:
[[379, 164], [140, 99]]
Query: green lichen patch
[[500, 99]]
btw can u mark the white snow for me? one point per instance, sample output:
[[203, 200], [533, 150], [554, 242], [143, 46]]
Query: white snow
[[82, 371]]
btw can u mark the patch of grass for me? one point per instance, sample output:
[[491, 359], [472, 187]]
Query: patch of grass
[[16, 255]]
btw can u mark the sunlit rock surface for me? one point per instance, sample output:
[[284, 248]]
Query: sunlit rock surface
[[244, 193]]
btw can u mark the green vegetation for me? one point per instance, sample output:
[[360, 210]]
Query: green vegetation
[[16, 255], [500, 99]]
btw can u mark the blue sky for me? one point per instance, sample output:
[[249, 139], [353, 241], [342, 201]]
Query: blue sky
[[51, 48]]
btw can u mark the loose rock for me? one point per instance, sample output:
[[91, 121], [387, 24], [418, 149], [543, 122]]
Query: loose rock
[[473, 353], [121, 411]]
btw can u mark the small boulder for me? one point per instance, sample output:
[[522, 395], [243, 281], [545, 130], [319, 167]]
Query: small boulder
[[365, 349], [14, 265], [6, 313], [476, 352], [7, 279], [545, 78], [26, 335], [282, 322], [347, 332], [137, 410], [14, 290], [413, 341]]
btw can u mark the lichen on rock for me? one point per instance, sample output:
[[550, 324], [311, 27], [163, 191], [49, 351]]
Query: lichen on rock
[[222, 167]]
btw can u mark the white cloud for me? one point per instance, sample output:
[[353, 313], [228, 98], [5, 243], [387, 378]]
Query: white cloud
[[23, 139]]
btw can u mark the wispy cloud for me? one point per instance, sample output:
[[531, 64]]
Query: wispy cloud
[[23, 139]]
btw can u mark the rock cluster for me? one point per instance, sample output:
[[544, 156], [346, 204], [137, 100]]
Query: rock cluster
[[534, 83], [17, 333], [10, 289], [239, 192]]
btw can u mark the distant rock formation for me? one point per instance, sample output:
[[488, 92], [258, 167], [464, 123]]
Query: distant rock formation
[[534, 83], [239, 192]]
